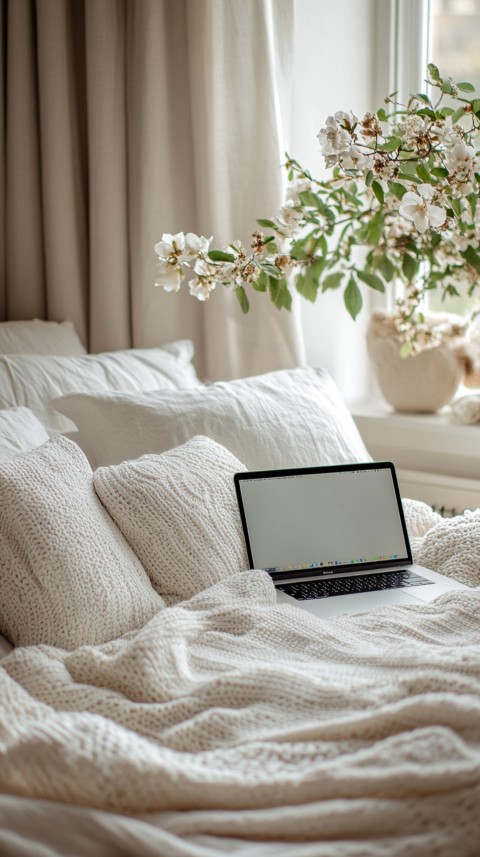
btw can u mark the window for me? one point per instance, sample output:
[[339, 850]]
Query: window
[[454, 46]]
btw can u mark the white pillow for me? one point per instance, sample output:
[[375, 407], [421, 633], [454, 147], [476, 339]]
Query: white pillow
[[178, 511], [33, 380], [20, 430], [290, 418], [39, 337], [67, 576]]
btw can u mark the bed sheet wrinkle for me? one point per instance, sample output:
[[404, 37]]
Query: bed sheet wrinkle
[[229, 721]]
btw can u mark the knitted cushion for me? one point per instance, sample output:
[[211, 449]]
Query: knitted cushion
[[452, 547], [178, 511], [67, 575]]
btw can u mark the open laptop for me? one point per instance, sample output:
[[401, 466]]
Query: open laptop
[[334, 539]]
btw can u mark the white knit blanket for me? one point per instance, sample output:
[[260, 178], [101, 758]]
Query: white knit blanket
[[353, 736]]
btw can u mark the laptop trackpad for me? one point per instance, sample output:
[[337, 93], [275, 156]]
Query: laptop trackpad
[[358, 603]]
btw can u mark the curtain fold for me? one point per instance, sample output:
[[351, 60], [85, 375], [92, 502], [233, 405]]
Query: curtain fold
[[125, 119]]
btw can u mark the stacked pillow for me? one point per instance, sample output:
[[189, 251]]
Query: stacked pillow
[[20, 431], [179, 513], [39, 337], [67, 576], [290, 418], [33, 380], [72, 574], [86, 557]]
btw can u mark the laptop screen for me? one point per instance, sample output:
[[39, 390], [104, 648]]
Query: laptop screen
[[323, 519]]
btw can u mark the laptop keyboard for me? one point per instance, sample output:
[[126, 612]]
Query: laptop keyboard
[[308, 589]]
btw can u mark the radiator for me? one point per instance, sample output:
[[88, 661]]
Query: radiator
[[448, 495]]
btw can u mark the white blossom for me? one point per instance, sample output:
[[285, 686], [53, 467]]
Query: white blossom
[[417, 207], [171, 246], [353, 159], [333, 139], [168, 276], [346, 120], [296, 187], [200, 287], [411, 130], [288, 221], [196, 245], [462, 163], [182, 249]]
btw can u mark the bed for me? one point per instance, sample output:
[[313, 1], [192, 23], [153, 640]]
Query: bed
[[154, 699]]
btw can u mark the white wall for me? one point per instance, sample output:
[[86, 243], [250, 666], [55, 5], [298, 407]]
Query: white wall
[[335, 68]]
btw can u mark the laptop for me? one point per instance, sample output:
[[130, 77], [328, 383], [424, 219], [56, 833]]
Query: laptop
[[334, 539]]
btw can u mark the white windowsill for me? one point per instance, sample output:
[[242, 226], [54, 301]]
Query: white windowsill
[[437, 460]]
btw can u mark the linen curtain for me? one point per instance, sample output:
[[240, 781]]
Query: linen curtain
[[124, 119]]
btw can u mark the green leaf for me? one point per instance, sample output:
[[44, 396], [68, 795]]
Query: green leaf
[[472, 257], [398, 190], [422, 97], [375, 228], [220, 256], [423, 173], [408, 177], [381, 115], [447, 87], [476, 105], [439, 172], [308, 283], [391, 145], [457, 115], [261, 283], [268, 223], [456, 206], [465, 86], [409, 267], [297, 250], [320, 244], [405, 350], [308, 197], [242, 298], [433, 71], [369, 178], [332, 281], [446, 111], [353, 298], [272, 270], [427, 111], [371, 280], [378, 191], [280, 294], [386, 266]]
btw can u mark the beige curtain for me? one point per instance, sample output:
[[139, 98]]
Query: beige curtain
[[124, 119]]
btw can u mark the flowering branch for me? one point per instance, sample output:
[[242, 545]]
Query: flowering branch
[[403, 191]]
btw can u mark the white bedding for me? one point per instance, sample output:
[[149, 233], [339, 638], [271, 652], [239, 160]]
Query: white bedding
[[230, 725], [246, 727]]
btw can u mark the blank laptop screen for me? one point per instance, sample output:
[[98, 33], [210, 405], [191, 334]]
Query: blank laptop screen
[[319, 521]]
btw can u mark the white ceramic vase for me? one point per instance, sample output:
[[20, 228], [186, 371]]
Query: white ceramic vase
[[423, 383]]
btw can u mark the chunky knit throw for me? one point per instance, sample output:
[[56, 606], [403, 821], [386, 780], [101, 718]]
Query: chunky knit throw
[[242, 719]]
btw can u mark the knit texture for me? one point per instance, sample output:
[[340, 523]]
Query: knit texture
[[242, 718], [419, 518], [67, 575], [453, 547], [179, 513]]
